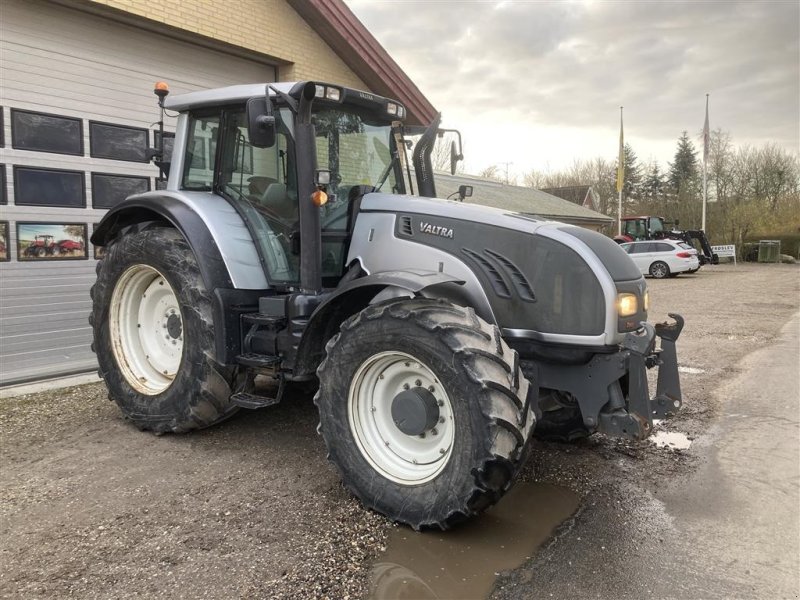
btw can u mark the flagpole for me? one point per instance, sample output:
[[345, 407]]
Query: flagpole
[[620, 174], [706, 136]]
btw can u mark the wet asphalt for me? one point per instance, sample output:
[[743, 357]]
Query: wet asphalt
[[728, 530]]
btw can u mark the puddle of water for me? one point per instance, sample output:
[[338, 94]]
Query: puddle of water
[[671, 439], [462, 563], [691, 370]]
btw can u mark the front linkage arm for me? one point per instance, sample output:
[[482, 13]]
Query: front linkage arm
[[612, 390]]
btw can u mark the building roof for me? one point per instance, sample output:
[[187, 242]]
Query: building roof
[[573, 193], [520, 199], [351, 40]]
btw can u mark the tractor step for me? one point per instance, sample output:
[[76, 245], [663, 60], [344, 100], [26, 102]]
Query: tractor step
[[258, 361], [252, 401], [263, 319]]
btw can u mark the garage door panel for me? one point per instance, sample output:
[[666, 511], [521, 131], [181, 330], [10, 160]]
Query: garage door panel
[[86, 79], [19, 345], [60, 298], [67, 359], [63, 61], [137, 49]]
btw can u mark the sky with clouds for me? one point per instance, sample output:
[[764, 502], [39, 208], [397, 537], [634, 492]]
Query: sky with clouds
[[540, 83]]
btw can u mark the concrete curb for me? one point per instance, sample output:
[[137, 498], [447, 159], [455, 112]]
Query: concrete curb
[[12, 391]]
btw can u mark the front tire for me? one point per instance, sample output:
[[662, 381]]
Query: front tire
[[479, 411], [154, 334]]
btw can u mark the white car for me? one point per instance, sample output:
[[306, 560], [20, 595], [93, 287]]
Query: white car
[[663, 258]]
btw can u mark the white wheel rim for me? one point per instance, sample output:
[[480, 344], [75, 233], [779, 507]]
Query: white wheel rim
[[146, 328], [402, 458]]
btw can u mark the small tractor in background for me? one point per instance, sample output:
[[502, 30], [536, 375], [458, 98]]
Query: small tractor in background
[[635, 229], [42, 245], [288, 244]]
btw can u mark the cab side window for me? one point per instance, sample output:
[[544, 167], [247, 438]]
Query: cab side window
[[201, 148]]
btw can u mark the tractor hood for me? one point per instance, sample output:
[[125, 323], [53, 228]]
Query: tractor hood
[[539, 279], [446, 215]]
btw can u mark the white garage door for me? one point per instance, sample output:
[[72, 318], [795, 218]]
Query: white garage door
[[77, 114]]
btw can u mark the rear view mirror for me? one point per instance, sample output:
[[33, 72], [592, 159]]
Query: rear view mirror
[[455, 156], [260, 122]]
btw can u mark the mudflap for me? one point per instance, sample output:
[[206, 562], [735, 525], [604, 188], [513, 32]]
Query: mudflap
[[612, 390]]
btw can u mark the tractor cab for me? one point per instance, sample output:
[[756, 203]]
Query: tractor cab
[[635, 229], [43, 240], [294, 160]]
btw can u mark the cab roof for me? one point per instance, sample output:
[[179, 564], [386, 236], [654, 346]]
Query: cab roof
[[233, 94]]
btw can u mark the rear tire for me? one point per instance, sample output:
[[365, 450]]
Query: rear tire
[[470, 457], [659, 270], [163, 376]]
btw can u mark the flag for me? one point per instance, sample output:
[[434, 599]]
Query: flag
[[706, 135], [621, 160]]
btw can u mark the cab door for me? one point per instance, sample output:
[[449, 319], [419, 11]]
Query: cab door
[[261, 184]]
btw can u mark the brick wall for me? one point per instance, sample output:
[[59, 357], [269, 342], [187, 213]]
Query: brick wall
[[269, 27]]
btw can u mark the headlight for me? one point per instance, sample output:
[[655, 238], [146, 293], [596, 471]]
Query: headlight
[[627, 305], [647, 301]]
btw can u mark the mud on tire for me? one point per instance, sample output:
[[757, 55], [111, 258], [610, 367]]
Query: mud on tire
[[492, 403], [199, 394]]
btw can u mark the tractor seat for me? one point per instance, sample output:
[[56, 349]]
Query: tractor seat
[[258, 184]]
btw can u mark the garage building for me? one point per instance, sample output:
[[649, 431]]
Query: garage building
[[77, 116]]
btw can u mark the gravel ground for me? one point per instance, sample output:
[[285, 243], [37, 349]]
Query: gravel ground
[[92, 508]]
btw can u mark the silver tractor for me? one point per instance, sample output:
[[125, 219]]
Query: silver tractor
[[288, 242]]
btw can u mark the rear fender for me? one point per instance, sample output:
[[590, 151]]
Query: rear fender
[[181, 217], [142, 210], [351, 298]]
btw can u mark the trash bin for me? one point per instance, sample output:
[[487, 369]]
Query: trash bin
[[769, 251]]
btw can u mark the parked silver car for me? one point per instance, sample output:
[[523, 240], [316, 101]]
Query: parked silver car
[[663, 258]]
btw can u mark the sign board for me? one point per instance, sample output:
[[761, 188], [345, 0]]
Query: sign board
[[728, 251]]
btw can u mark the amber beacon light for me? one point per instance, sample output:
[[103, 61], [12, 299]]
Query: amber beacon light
[[319, 198], [161, 89]]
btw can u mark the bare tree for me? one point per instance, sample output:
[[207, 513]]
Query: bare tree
[[491, 173]]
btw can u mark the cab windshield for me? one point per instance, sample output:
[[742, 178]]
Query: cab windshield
[[357, 148], [656, 225]]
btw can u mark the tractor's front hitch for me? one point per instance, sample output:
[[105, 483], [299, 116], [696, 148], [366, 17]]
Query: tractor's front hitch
[[612, 390], [635, 418]]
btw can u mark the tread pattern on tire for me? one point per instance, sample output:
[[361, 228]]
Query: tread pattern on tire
[[205, 400], [506, 396]]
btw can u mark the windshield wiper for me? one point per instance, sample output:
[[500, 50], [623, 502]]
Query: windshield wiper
[[385, 174]]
